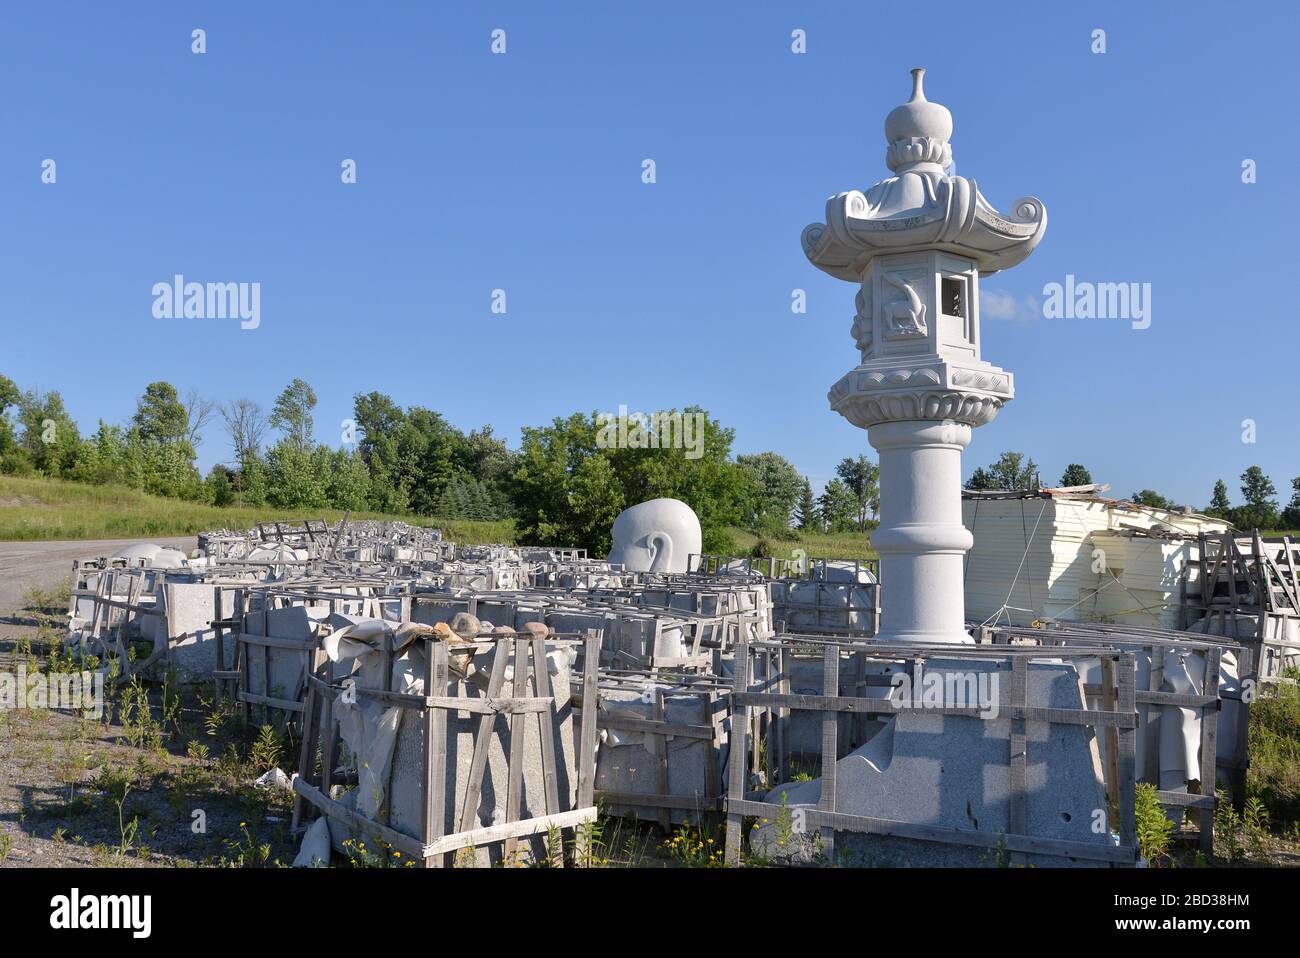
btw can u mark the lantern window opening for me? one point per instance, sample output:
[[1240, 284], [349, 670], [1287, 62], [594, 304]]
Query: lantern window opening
[[952, 296]]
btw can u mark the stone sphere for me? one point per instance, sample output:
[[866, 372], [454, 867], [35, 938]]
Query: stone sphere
[[465, 625]]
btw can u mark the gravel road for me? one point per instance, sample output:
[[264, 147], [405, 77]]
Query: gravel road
[[46, 564]]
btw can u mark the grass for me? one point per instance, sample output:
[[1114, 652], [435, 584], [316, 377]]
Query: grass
[[831, 545], [37, 508], [1274, 774]]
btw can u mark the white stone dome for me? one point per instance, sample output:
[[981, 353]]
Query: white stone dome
[[918, 117]]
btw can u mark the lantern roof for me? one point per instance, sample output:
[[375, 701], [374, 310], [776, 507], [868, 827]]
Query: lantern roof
[[921, 206]]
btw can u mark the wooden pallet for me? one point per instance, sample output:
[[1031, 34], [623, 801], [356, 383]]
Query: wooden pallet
[[437, 841]]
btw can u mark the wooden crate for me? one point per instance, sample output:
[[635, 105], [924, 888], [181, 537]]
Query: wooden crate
[[1119, 723], [436, 841]]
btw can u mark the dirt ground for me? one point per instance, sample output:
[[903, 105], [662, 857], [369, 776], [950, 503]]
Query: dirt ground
[[183, 771]]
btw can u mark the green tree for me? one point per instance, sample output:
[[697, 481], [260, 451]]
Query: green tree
[[50, 436], [596, 497], [378, 418], [548, 460], [1011, 471], [487, 463], [838, 507], [108, 457], [418, 460], [252, 482], [159, 456], [1291, 514], [569, 484], [379, 422], [1219, 506], [425, 459], [465, 497], [8, 397], [1153, 500], [160, 416], [1260, 508], [703, 475], [806, 514], [291, 414], [220, 485], [862, 477], [9, 393], [294, 477], [1076, 475], [349, 480], [774, 489], [165, 468]]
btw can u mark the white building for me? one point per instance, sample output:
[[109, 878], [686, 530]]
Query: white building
[[1073, 554]]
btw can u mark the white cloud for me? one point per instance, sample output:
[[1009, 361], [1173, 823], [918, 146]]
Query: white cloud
[[998, 304]]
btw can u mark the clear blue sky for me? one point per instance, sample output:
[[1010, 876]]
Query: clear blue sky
[[523, 172]]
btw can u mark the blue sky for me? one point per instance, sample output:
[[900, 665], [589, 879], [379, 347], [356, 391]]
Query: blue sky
[[522, 172]]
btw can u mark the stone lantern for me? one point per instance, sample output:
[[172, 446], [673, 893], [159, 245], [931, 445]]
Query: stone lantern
[[917, 244]]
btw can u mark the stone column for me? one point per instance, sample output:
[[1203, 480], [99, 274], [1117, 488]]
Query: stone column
[[921, 539]]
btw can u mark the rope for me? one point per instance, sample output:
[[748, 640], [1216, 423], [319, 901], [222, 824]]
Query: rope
[[1114, 579], [1029, 541], [1025, 555]]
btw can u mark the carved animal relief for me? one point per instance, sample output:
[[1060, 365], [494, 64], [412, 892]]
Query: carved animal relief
[[904, 313]]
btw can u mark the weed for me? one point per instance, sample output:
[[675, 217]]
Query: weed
[[246, 851], [116, 784], [267, 749], [693, 849], [1154, 829]]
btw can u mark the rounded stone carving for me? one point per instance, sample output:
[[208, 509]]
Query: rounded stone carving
[[866, 410], [656, 536], [1028, 209], [812, 233]]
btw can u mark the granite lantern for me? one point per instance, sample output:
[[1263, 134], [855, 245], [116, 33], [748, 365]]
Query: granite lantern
[[916, 244]]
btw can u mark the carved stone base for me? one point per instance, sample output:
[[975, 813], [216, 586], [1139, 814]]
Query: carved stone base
[[927, 388]]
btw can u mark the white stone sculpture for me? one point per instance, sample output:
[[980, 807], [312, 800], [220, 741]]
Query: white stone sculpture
[[656, 536], [152, 556], [917, 244]]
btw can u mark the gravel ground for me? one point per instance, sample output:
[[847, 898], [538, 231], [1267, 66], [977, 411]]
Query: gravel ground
[[54, 810], [25, 565]]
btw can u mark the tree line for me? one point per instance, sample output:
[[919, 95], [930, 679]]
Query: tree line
[[1259, 508], [560, 486]]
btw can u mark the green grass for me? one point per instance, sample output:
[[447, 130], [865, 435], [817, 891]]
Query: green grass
[[41, 509], [835, 545], [1274, 775], [37, 508]]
